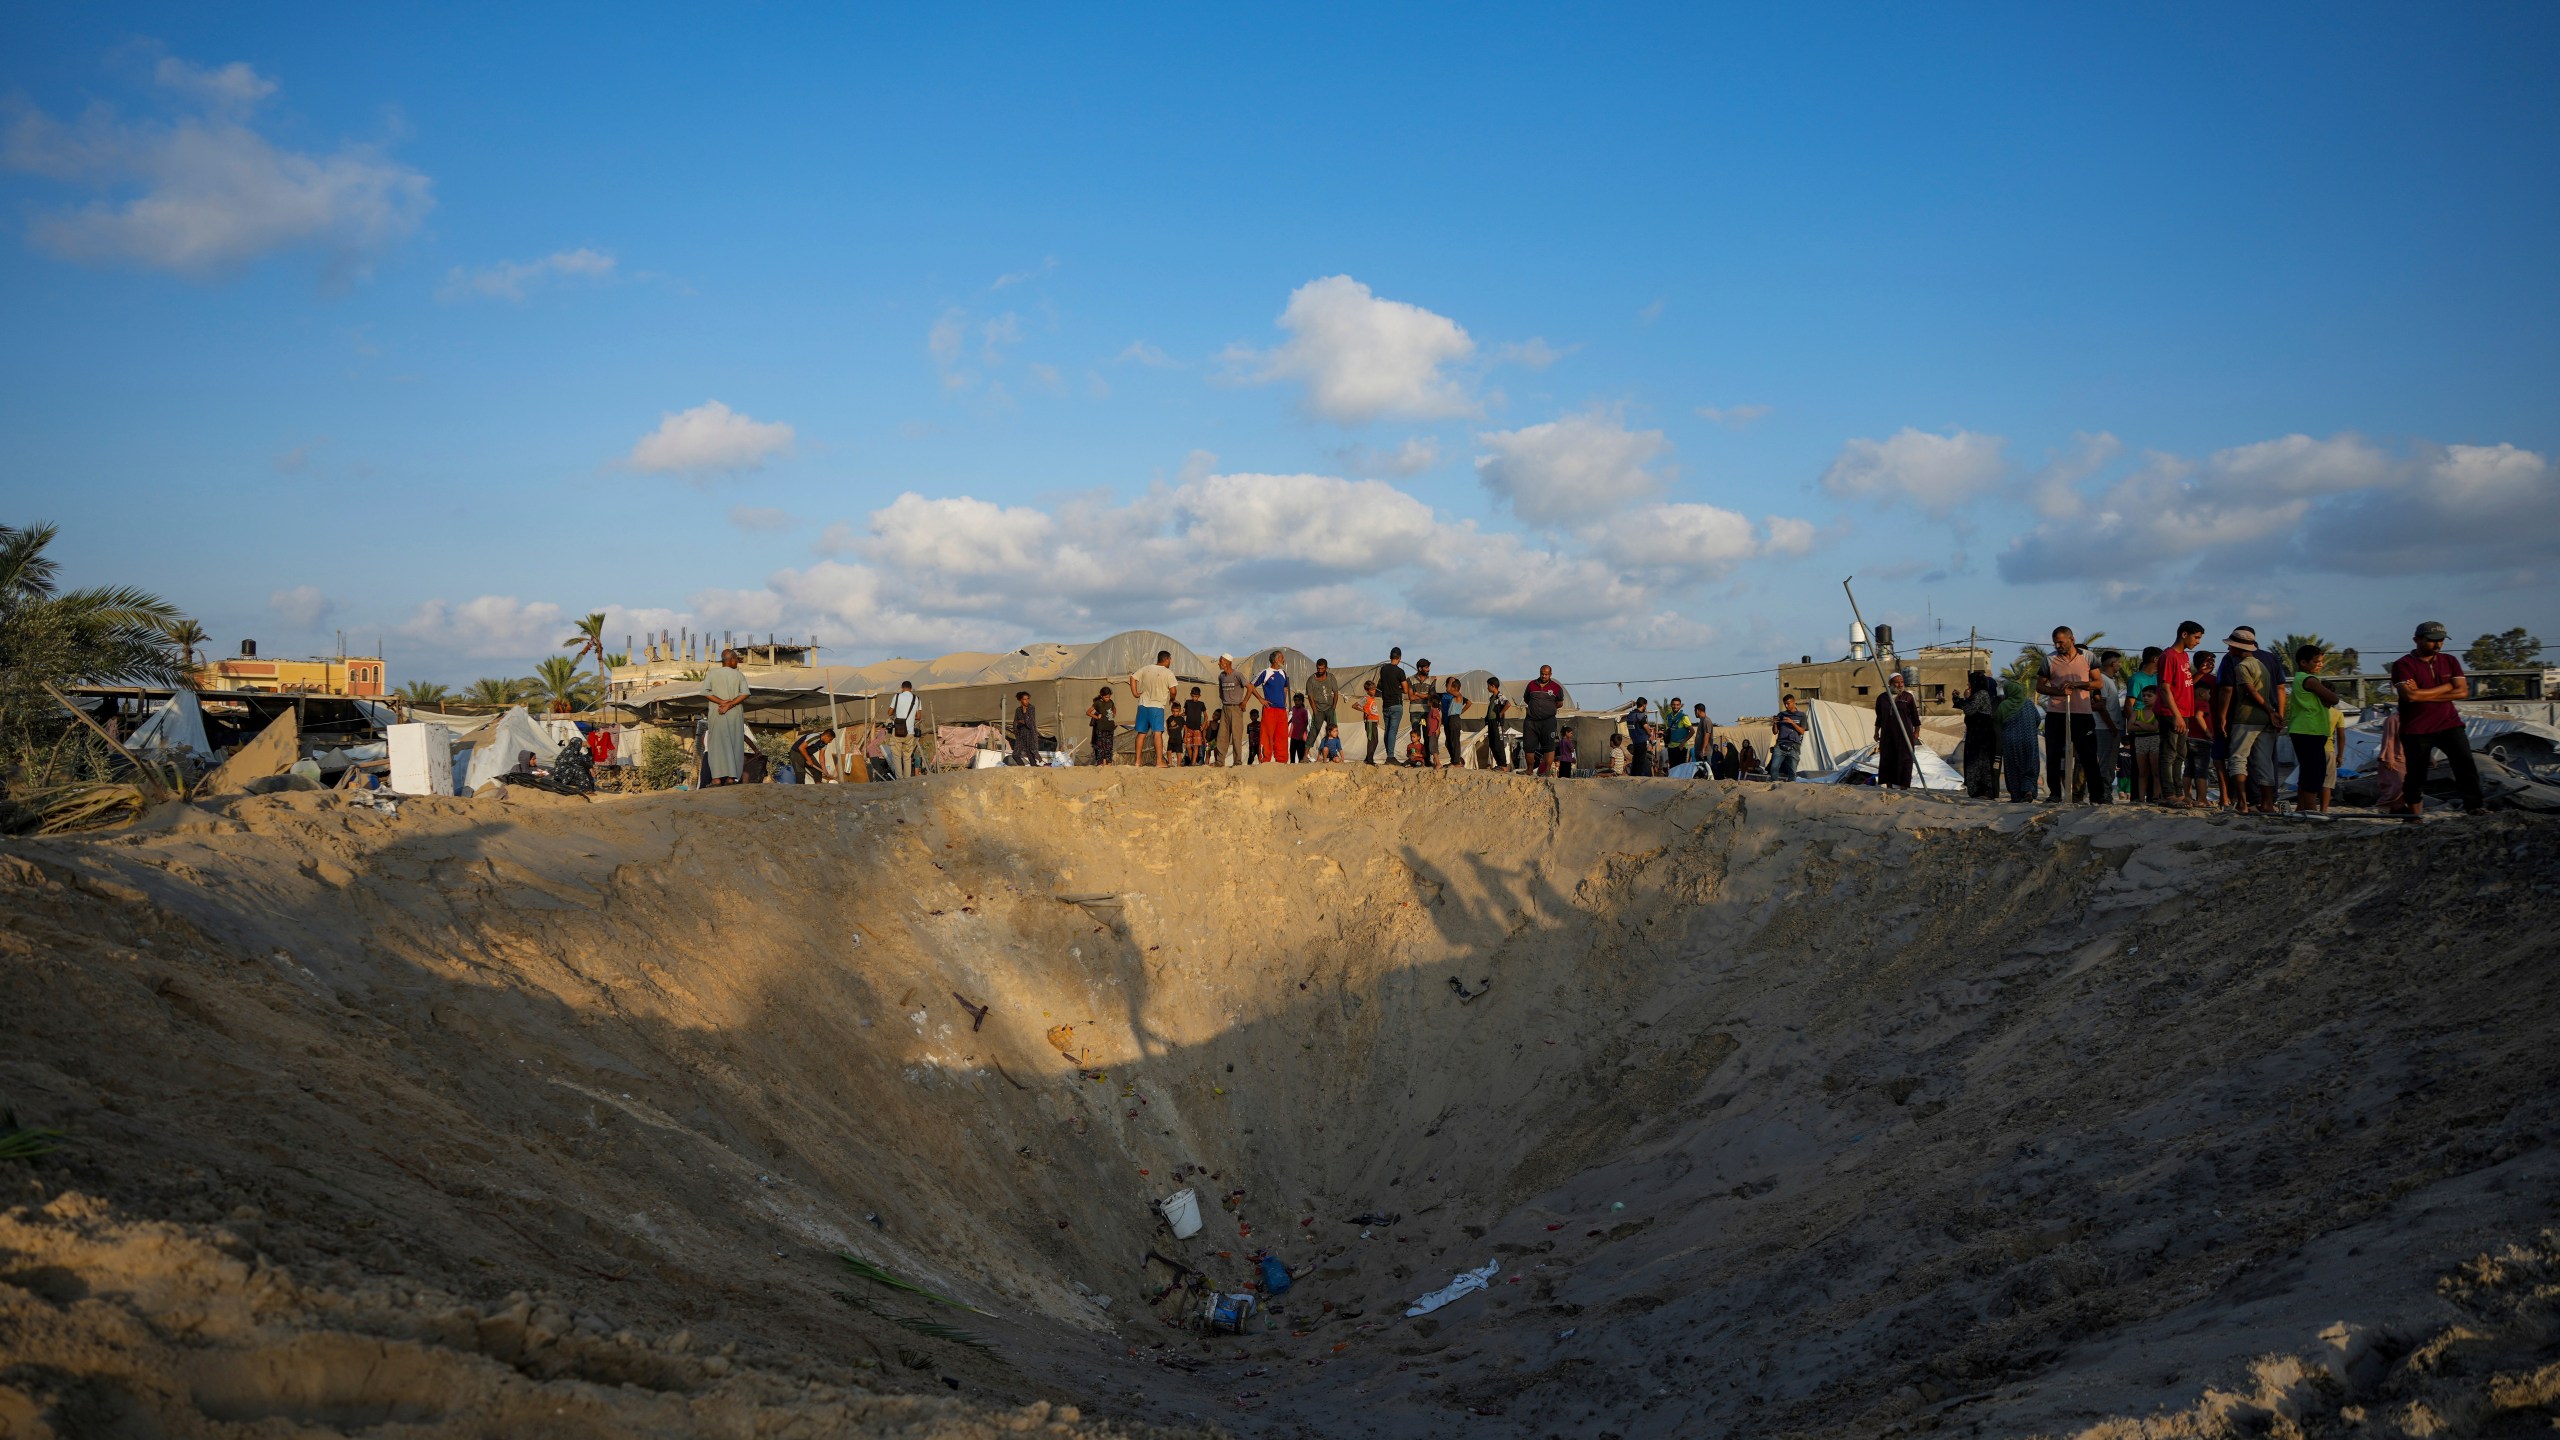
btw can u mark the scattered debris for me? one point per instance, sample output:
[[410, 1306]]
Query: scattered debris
[[1460, 1286], [977, 1013]]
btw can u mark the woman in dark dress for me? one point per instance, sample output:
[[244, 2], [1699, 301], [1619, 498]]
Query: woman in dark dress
[[1026, 730]]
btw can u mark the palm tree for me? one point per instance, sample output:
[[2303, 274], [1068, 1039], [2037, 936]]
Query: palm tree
[[422, 692], [497, 692], [557, 680], [589, 641], [617, 660], [111, 634], [2293, 645], [186, 634]]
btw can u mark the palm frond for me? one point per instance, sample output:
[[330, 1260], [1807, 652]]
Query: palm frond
[[878, 1276], [20, 1142], [919, 1324], [25, 572]]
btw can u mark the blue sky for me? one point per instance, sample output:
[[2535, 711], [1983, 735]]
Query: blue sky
[[1607, 340]]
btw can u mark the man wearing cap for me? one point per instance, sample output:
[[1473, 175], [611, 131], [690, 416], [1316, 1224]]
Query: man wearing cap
[[2430, 681], [2252, 701], [1232, 741]]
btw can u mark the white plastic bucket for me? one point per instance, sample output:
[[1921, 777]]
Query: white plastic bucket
[[1182, 1211]]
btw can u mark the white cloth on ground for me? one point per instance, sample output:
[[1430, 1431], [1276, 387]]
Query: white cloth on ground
[[1458, 1287]]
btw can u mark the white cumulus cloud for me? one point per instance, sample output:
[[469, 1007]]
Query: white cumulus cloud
[[1705, 539], [709, 439], [2295, 503], [487, 626], [204, 191], [1362, 358], [1572, 469], [1353, 526], [303, 607], [1937, 473]]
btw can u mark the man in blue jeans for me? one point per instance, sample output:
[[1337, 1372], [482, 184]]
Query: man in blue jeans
[[1786, 740], [1391, 683]]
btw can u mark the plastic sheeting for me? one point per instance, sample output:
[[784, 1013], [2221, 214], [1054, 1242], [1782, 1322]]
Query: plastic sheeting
[[1928, 771], [515, 733], [174, 729], [1124, 654], [1834, 734]]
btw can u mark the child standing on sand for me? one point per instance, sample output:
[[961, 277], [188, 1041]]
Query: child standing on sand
[[1105, 725]]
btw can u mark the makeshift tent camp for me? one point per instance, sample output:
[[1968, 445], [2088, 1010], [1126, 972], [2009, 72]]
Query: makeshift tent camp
[[503, 743]]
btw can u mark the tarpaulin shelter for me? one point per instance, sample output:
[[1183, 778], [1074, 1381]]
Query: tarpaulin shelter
[[1840, 741], [1928, 771], [174, 731], [504, 743]]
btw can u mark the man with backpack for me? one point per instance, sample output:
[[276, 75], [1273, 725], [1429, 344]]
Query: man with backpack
[[905, 725]]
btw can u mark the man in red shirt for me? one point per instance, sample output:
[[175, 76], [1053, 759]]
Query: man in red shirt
[[2429, 682], [2178, 715]]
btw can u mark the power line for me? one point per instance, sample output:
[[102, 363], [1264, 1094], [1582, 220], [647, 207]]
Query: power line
[[1677, 679]]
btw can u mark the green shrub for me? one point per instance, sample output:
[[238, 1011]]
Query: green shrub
[[665, 761]]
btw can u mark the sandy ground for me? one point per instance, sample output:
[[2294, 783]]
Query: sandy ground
[[1789, 1110]]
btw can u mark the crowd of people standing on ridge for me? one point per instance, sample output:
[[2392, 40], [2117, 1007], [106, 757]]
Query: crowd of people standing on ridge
[[2186, 726], [2181, 725]]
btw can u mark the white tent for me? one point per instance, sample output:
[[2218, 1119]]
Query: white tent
[[1834, 733], [175, 729], [514, 734], [1124, 654], [1840, 741], [1928, 772]]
